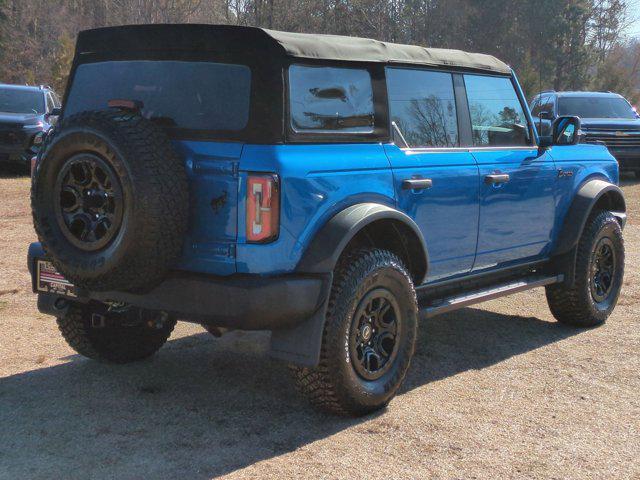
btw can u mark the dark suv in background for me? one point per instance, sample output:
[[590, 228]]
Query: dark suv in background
[[26, 114], [606, 118]]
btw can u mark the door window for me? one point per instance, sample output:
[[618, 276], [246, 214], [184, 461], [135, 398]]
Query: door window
[[422, 104], [330, 100], [497, 116]]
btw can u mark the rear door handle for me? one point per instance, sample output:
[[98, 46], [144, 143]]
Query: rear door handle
[[417, 184], [496, 178]]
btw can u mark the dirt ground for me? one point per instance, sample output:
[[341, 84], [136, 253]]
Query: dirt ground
[[498, 391]]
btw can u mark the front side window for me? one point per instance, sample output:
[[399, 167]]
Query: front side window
[[15, 100], [596, 107], [188, 95], [330, 100], [422, 104], [497, 117]]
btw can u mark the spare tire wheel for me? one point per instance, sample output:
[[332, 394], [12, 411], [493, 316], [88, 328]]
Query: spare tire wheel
[[110, 201]]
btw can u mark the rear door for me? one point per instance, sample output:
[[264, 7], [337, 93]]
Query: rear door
[[517, 204], [436, 181]]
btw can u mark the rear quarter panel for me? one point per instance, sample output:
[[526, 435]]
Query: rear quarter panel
[[317, 181]]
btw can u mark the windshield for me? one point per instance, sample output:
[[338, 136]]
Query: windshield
[[188, 95], [14, 100], [596, 107]]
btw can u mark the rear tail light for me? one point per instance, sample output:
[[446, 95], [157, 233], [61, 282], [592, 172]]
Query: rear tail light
[[263, 208]]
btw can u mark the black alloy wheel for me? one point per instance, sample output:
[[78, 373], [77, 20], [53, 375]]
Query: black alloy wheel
[[603, 264], [89, 204], [374, 331]]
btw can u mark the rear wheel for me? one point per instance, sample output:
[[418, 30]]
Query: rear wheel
[[598, 276], [369, 335], [115, 336]]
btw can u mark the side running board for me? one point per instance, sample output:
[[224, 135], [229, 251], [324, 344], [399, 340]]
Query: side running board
[[466, 299]]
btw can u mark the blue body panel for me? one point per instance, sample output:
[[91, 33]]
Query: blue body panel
[[584, 161], [212, 169], [447, 213], [517, 217], [317, 181]]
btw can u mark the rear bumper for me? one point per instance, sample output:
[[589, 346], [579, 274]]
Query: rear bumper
[[245, 302]]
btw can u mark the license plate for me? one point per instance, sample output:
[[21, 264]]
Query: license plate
[[49, 280]]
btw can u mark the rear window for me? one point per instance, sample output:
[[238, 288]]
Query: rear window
[[15, 100], [330, 100], [187, 95], [596, 107]]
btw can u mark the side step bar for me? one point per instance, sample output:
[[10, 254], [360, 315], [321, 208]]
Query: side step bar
[[466, 299]]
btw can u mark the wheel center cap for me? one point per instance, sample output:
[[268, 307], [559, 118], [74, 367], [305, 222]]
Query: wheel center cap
[[365, 332]]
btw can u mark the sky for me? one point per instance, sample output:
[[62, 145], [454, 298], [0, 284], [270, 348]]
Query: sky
[[634, 14]]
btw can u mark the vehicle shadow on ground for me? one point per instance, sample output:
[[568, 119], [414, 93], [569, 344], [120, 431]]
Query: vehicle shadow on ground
[[205, 407]]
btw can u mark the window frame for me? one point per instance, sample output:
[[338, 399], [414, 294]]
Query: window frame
[[380, 132], [460, 109], [533, 142]]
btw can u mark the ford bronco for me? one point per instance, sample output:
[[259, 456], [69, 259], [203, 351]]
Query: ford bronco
[[331, 190]]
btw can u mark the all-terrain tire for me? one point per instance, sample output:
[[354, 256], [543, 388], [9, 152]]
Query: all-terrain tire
[[149, 203], [119, 338], [335, 384], [577, 304]]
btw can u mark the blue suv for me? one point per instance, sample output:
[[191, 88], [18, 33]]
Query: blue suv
[[331, 190], [607, 118], [26, 115]]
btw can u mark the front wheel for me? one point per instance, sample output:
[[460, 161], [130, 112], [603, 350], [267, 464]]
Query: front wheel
[[598, 275], [369, 335]]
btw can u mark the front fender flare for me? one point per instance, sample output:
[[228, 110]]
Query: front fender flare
[[586, 198], [328, 244]]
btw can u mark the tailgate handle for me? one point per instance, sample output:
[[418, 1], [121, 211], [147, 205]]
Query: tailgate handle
[[417, 184]]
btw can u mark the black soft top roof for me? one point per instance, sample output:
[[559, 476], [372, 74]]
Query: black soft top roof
[[214, 38]]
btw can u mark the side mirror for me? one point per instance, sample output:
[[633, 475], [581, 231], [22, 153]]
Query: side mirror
[[544, 115], [566, 130]]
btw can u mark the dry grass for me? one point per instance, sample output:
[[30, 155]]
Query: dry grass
[[500, 391]]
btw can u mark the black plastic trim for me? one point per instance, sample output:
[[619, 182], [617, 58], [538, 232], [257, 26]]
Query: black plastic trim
[[246, 302], [583, 202], [328, 244]]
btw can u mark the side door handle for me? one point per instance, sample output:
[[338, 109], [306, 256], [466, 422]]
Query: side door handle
[[496, 178], [417, 184]]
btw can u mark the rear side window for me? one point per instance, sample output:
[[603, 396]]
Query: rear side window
[[187, 95], [330, 100], [423, 106], [497, 116]]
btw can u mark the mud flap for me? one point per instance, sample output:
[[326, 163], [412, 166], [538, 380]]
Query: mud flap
[[300, 344]]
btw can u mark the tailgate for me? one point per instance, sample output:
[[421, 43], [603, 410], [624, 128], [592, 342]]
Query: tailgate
[[212, 168]]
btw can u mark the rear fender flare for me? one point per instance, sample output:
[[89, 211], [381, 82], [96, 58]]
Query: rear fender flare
[[330, 241]]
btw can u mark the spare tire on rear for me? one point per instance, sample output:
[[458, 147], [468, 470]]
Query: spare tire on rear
[[110, 201]]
